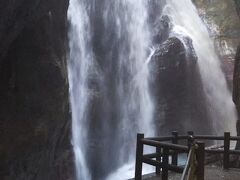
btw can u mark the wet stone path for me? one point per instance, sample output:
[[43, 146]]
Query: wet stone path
[[211, 173]]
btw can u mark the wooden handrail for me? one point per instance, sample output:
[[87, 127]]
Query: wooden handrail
[[207, 137], [235, 138], [164, 145], [197, 137], [164, 138], [190, 164], [172, 148]]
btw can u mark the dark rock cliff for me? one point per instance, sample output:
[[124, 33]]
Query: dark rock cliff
[[237, 2], [222, 20], [236, 89], [34, 110], [236, 80]]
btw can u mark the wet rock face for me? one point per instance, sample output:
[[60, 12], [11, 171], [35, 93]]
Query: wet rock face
[[176, 82], [237, 2], [34, 111], [236, 90], [223, 22], [223, 17], [236, 80]]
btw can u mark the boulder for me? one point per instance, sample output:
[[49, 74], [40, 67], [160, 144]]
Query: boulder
[[177, 86]]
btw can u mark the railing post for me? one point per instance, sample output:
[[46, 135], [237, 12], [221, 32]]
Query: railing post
[[158, 158], [175, 141], [226, 150], [190, 139], [139, 154], [165, 163], [200, 155]]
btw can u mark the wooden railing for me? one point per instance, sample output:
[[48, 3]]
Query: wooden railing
[[168, 146], [190, 167]]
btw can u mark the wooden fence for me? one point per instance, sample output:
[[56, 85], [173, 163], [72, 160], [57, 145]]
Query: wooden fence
[[168, 146]]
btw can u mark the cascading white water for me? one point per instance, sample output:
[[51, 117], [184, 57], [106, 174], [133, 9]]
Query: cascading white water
[[186, 21], [81, 59], [129, 24], [121, 70]]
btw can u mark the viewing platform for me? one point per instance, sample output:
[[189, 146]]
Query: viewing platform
[[168, 149]]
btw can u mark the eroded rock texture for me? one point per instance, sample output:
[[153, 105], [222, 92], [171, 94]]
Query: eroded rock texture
[[223, 22], [237, 2], [223, 18], [177, 86], [236, 80], [34, 111], [236, 89]]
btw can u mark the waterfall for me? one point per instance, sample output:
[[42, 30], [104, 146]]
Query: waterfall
[[186, 21], [109, 44], [110, 48], [81, 61]]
